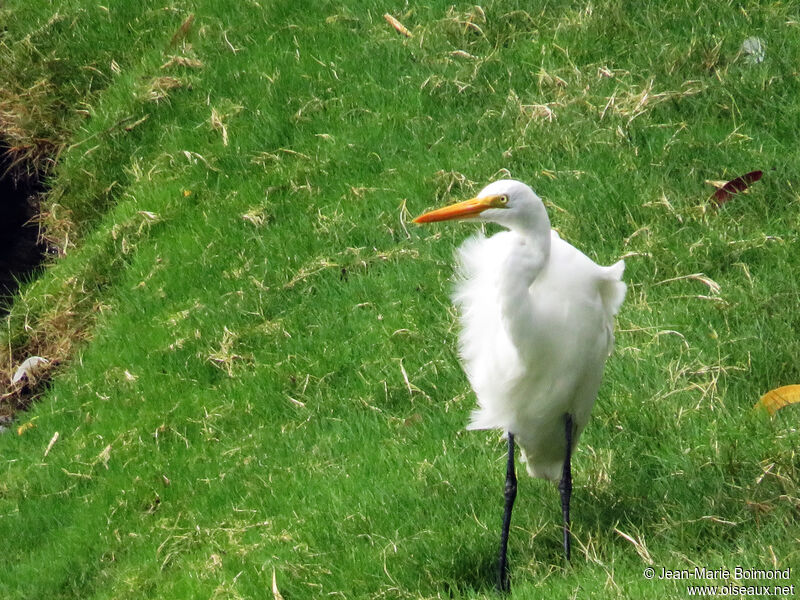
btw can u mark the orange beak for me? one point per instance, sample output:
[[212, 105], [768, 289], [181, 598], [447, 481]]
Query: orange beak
[[463, 210]]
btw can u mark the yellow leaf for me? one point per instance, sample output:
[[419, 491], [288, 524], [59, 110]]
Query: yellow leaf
[[25, 427], [776, 399]]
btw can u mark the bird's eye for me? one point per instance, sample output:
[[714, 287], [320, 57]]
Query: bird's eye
[[503, 200]]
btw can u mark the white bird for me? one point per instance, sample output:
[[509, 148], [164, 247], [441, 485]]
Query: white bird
[[537, 324]]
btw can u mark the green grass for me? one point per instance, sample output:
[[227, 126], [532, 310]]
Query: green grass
[[258, 369]]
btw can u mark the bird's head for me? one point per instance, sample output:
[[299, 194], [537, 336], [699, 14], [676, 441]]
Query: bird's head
[[508, 202]]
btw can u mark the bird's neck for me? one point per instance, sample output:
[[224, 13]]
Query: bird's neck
[[527, 257], [530, 249]]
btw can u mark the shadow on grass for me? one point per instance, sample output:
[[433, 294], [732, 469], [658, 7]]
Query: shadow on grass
[[473, 570]]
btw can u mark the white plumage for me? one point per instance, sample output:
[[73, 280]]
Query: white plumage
[[527, 379], [537, 324], [537, 321]]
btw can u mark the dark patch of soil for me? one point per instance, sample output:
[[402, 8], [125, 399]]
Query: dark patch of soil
[[21, 252]]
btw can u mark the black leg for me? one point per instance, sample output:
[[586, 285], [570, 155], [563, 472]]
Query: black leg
[[510, 495], [565, 485]]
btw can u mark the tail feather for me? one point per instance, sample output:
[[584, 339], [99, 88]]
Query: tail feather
[[612, 288]]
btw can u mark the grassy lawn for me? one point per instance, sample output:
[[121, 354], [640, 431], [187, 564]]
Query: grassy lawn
[[257, 378]]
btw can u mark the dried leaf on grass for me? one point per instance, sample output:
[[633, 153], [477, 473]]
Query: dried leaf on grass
[[399, 27], [183, 30], [25, 427], [734, 186], [776, 399]]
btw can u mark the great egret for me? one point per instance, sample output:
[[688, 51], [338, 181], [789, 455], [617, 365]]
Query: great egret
[[537, 324]]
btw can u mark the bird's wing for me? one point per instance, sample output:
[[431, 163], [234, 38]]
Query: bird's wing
[[585, 278]]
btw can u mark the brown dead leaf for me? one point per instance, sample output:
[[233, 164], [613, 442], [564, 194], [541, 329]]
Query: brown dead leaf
[[182, 31], [734, 186]]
